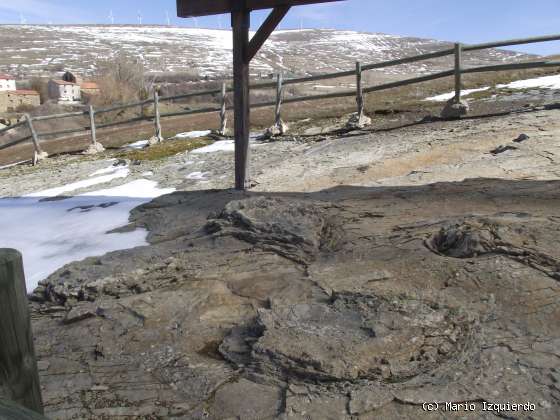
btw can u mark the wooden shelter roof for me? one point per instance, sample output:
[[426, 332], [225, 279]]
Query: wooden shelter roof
[[193, 8]]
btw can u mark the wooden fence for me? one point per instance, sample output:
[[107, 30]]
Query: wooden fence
[[458, 71]]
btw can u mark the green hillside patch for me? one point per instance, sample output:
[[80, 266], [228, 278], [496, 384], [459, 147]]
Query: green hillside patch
[[166, 149]]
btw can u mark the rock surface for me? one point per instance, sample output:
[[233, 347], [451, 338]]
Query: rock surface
[[310, 306], [454, 109], [364, 276]]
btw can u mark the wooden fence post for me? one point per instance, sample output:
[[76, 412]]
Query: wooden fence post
[[92, 125], [38, 154], [223, 115], [359, 90], [458, 69], [240, 21], [19, 378], [279, 91], [157, 121]]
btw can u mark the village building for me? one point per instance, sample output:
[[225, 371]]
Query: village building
[[13, 100], [64, 92], [7, 82]]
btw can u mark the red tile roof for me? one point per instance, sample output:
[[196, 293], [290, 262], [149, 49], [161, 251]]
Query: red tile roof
[[62, 82], [89, 85]]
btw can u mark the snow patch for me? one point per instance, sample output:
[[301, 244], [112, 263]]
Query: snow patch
[[218, 146], [140, 144], [192, 134], [119, 172], [51, 234], [197, 175], [447, 96], [546, 82]]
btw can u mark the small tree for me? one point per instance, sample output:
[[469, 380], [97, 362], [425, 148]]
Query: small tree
[[121, 79], [40, 85]]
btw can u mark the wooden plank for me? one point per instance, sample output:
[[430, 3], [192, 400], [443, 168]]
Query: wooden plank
[[412, 81], [240, 23], [14, 143], [359, 90], [223, 113], [510, 42], [34, 138], [266, 29], [458, 68], [114, 124], [67, 131], [124, 106], [278, 105], [19, 377], [191, 112], [194, 8], [193, 94], [57, 116], [13, 126], [157, 123], [407, 60], [92, 124], [514, 66], [12, 411]]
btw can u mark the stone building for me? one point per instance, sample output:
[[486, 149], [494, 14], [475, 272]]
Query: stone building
[[12, 100], [3, 101], [7, 82], [64, 92]]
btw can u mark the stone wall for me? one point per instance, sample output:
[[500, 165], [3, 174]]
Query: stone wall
[[13, 100], [3, 101]]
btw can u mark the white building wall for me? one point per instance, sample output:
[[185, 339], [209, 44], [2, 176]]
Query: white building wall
[[6, 84]]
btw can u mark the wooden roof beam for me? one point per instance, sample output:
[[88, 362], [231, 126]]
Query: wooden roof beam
[[194, 8], [266, 29]]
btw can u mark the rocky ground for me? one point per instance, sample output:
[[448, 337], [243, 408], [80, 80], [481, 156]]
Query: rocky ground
[[364, 275]]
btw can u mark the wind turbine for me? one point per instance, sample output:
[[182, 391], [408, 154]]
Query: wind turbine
[[167, 18], [22, 19], [111, 17], [195, 22], [139, 18]]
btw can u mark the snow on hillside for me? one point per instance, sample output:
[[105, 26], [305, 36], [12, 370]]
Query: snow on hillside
[[545, 82], [33, 49]]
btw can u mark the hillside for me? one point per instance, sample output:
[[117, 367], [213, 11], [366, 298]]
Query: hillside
[[42, 50]]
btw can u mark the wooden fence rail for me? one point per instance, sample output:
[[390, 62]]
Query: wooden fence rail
[[458, 71]]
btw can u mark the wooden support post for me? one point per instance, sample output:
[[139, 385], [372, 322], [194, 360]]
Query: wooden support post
[[458, 69], [157, 122], [359, 90], [279, 91], [38, 153], [92, 125], [19, 378], [223, 114], [240, 20]]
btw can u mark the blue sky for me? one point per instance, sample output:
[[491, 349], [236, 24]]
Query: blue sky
[[466, 21]]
